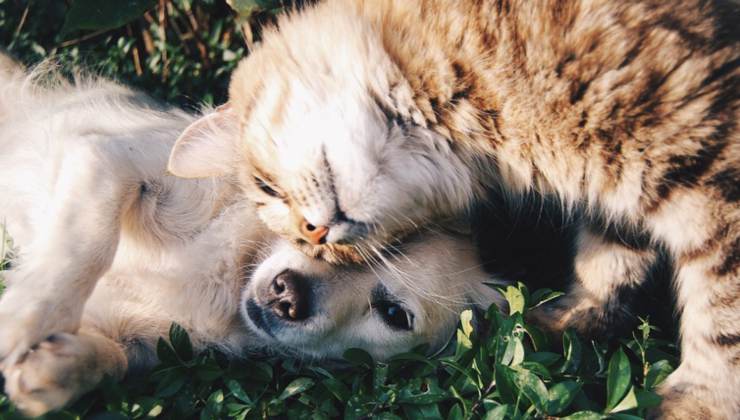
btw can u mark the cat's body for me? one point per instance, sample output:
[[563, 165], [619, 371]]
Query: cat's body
[[369, 118]]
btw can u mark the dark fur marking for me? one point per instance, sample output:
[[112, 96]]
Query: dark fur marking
[[633, 52], [731, 259], [391, 115], [461, 94], [562, 63], [580, 90], [727, 182], [702, 250], [654, 82], [721, 72], [686, 171], [727, 340], [503, 7], [727, 97], [339, 214], [633, 237], [694, 41], [726, 16], [491, 117], [436, 109], [459, 70]]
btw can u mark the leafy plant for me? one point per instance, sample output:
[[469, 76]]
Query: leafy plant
[[181, 51], [499, 367]]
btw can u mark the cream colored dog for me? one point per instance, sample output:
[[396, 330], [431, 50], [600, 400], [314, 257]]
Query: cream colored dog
[[111, 250]]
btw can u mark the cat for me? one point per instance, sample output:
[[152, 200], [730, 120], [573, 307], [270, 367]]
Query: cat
[[355, 122], [111, 250]]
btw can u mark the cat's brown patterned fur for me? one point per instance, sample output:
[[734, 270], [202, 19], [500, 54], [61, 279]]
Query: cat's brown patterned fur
[[375, 117]]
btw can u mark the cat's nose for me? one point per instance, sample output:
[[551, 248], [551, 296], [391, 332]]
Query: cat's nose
[[290, 294], [315, 235]]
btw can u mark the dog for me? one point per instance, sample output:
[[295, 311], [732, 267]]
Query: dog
[[110, 250]]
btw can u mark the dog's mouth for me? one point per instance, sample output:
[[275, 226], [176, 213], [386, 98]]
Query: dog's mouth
[[262, 318]]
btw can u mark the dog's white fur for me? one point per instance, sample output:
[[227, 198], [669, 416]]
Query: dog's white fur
[[111, 250]]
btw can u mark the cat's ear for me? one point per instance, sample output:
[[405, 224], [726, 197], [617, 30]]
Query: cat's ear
[[207, 147]]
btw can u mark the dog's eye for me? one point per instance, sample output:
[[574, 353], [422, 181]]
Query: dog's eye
[[394, 315], [262, 185]]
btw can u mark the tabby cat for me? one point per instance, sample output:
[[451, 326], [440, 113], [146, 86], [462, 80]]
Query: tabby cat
[[355, 122]]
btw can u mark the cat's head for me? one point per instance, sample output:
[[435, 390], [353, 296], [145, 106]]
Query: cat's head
[[322, 132]]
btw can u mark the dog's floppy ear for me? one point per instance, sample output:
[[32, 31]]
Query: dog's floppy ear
[[207, 147]]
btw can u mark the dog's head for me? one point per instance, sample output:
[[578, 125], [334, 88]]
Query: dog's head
[[309, 308]]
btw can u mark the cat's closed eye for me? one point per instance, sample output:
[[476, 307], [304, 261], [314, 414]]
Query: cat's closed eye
[[267, 189]]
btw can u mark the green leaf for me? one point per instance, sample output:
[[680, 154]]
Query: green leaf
[[539, 340], [584, 415], [166, 353], [505, 384], [180, 341], [455, 413], [260, 372], [466, 322], [542, 296], [421, 412], [359, 357], [388, 416], [247, 7], [657, 372], [422, 392], [500, 412], [647, 399], [213, 407], [296, 387], [618, 379], [545, 358], [171, 382], [623, 416], [627, 403], [208, 371], [238, 392], [532, 387], [572, 351], [537, 368], [561, 395], [515, 297], [97, 14], [337, 388]]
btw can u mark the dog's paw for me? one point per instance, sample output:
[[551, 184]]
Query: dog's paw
[[26, 320], [52, 374]]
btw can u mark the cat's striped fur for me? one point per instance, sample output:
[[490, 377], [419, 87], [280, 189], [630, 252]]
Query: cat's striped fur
[[393, 114]]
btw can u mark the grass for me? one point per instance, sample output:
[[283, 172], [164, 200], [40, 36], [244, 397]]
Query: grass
[[498, 367], [184, 55]]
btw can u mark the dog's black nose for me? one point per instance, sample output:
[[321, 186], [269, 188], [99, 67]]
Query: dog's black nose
[[290, 294]]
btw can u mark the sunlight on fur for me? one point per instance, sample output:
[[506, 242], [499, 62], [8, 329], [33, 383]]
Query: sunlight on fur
[[112, 250]]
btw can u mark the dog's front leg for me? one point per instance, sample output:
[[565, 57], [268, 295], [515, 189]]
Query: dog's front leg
[[77, 228], [61, 369]]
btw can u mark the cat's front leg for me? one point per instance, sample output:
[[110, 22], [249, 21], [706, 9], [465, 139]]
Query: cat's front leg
[[607, 274], [76, 234], [61, 369]]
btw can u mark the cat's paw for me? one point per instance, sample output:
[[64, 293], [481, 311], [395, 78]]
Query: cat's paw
[[52, 374], [585, 317], [680, 405], [27, 319], [709, 393]]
